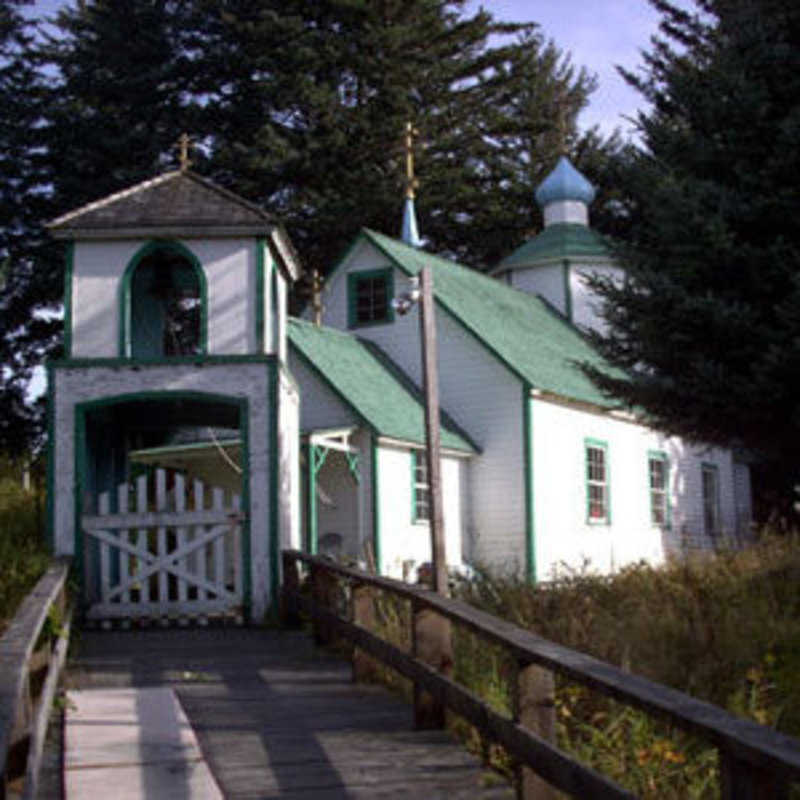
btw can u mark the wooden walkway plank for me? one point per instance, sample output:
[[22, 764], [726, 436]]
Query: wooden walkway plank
[[275, 716]]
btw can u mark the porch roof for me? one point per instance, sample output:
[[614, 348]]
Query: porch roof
[[364, 378]]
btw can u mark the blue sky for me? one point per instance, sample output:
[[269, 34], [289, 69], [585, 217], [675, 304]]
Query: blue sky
[[598, 33]]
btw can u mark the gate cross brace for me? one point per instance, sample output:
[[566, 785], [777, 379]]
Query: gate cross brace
[[155, 563]]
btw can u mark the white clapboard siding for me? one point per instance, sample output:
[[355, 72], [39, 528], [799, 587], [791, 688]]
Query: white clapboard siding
[[164, 559]]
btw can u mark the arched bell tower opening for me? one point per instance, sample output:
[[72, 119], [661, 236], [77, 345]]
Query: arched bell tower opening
[[164, 304]]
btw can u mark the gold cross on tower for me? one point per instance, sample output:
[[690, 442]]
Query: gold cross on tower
[[184, 145], [411, 181], [316, 297]]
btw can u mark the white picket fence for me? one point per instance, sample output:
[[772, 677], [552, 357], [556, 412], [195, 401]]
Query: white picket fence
[[164, 553]]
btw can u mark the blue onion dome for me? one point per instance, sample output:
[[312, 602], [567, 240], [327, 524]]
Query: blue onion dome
[[564, 183]]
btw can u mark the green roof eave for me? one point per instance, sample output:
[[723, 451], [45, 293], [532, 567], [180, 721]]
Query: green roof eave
[[505, 321], [364, 378], [563, 240]]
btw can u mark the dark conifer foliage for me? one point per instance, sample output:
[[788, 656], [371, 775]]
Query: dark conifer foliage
[[708, 322], [123, 92], [309, 117], [298, 105], [24, 263]]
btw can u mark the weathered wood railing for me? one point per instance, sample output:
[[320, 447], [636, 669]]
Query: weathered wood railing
[[31, 658], [756, 763]]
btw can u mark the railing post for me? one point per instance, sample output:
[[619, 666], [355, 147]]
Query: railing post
[[431, 642], [534, 709], [740, 780], [291, 588], [363, 600], [321, 591]]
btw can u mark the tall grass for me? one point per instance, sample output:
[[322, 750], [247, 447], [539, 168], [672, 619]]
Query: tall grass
[[23, 553], [724, 628]]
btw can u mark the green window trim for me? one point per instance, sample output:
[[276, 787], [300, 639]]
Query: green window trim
[[566, 271], [69, 266], [376, 504], [660, 505], [712, 518], [353, 281], [530, 507], [124, 348], [419, 488], [597, 477], [260, 299]]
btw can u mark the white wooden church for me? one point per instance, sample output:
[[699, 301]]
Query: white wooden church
[[195, 430]]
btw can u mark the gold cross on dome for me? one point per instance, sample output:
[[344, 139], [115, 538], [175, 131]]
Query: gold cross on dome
[[411, 181], [184, 145]]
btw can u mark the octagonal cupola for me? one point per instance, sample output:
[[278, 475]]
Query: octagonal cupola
[[565, 195]]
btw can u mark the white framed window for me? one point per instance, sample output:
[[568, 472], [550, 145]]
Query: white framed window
[[658, 478], [711, 512], [420, 488], [598, 509]]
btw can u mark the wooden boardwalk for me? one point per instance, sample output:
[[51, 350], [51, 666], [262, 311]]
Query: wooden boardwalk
[[277, 717]]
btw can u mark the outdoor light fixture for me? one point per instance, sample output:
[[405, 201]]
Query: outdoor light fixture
[[404, 302]]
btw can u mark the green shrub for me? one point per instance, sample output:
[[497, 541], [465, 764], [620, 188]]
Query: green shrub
[[724, 628], [23, 554]]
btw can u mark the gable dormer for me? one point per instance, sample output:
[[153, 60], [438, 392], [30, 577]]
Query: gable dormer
[[174, 266]]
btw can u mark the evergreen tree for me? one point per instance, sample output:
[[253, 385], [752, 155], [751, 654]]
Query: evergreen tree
[[709, 322], [125, 90], [311, 118], [299, 105], [23, 180]]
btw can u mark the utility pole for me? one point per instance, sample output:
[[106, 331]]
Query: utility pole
[[427, 330]]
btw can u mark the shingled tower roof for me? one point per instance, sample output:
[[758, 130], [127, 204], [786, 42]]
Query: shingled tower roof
[[178, 203]]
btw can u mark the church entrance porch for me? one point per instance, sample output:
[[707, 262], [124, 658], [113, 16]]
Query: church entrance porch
[[333, 495], [161, 535], [153, 448]]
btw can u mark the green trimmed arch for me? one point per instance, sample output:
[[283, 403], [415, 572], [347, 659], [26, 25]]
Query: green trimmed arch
[[125, 315]]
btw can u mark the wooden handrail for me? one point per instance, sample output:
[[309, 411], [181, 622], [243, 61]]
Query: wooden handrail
[[751, 755], [25, 707]]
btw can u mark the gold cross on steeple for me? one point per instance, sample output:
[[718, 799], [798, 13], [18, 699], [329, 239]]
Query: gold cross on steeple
[[411, 181], [184, 145]]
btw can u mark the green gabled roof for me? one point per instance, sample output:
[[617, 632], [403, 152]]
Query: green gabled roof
[[559, 241], [375, 388], [535, 342]]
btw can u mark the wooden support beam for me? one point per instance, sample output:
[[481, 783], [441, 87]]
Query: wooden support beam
[[430, 381], [323, 586], [740, 780], [363, 613], [290, 615], [534, 709], [431, 643]]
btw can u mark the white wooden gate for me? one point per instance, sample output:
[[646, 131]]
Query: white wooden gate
[[168, 553]]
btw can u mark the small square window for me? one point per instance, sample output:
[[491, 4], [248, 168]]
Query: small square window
[[597, 505], [370, 297]]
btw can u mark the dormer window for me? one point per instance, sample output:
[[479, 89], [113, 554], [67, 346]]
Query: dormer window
[[370, 297], [163, 304]]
